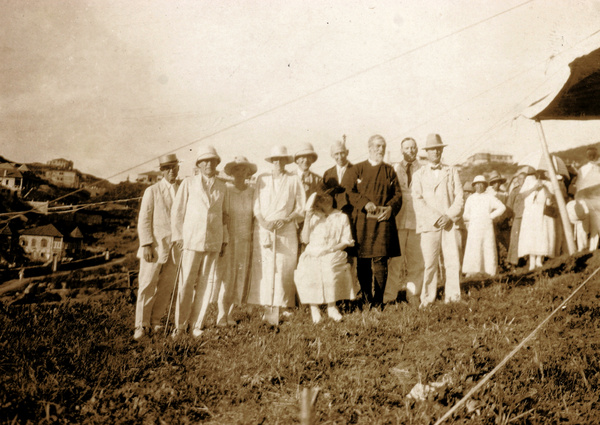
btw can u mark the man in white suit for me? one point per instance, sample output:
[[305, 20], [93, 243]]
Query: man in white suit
[[438, 199], [158, 256], [410, 263], [199, 219]]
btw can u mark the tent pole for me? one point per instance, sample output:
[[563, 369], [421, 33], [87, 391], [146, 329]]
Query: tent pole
[[560, 201]]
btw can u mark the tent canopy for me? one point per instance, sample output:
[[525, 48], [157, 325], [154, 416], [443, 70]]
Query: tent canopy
[[575, 95]]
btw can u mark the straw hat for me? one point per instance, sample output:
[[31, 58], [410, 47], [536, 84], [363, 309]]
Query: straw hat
[[338, 147], [306, 149], [494, 176], [207, 152], [240, 161], [479, 179], [169, 159], [434, 141], [279, 151]]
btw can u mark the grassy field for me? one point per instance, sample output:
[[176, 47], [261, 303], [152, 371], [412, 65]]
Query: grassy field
[[75, 362]]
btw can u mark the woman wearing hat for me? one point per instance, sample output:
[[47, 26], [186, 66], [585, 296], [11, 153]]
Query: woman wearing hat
[[324, 275], [537, 238], [278, 205], [481, 209], [235, 263]]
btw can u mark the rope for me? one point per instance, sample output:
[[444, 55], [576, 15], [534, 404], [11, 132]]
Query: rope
[[512, 353]]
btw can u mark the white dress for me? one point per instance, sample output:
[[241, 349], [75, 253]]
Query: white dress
[[538, 234], [272, 282], [325, 277], [480, 252]]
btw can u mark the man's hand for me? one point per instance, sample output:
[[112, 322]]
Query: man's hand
[[278, 224], [149, 254], [223, 247], [385, 215], [179, 244], [443, 222], [370, 207]]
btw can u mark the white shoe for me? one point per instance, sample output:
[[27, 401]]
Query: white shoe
[[334, 313], [158, 329], [176, 333], [315, 312], [139, 333], [197, 333]]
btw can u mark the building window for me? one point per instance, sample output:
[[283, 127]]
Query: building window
[[24, 242], [44, 243], [33, 243]]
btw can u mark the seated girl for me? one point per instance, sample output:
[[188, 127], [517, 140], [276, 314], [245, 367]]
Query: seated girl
[[323, 275]]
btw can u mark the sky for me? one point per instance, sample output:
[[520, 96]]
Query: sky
[[112, 85]]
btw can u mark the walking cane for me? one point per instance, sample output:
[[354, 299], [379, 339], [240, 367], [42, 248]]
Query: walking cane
[[271, 321], [175, 289]]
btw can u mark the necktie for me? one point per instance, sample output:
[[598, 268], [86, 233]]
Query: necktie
[[408, 172]]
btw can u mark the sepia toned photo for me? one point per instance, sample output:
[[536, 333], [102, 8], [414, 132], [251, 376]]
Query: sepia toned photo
[[317, 212]]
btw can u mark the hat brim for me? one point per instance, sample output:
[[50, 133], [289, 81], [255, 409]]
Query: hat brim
[[499, 179], [169, 163], [230, 166], [426, 148], [271, 158], [208, 157], [306, 153]]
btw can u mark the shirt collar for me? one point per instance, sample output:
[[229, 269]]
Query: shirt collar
[[373, 163]]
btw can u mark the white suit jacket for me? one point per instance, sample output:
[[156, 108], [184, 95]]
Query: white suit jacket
[[199, 217], [154, 221], [434, 197], [405, 219]]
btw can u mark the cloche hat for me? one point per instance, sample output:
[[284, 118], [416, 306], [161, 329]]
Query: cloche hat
[[240, 161]]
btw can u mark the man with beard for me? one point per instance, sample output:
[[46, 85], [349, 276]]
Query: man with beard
[[410, 264], [374, 192]]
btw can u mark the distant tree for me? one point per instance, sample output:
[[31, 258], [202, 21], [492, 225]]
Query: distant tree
[[124, 190]]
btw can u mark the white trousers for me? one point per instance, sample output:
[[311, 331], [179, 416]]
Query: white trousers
[[156, 282], [408, 268], [434, 245], [195, 288]]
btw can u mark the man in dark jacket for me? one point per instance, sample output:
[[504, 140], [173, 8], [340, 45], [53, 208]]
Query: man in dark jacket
[[374, 192]]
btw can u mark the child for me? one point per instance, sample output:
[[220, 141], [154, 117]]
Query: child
[[323, 274]]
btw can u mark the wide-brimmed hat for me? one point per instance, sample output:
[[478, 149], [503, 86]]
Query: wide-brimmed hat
[[169, 159], [434, 141], [495, 176], [207, 152], [306, 149], [240, 161], [337, 147], [279, 151], [479, 179]]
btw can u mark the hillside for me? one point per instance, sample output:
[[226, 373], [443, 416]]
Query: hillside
[[75, 362], [576, 155]]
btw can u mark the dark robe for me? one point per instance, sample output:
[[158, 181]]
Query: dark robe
[[378, 184]]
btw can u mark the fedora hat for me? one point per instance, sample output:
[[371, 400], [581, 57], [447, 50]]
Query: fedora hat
[[495, 176], [169, 159], [279, 151], [207, 152], [306, 149], [338, 147], [480, 179], [240, 161], [434, 141]]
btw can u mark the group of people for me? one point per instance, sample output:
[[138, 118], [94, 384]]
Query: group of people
[[363, 231]]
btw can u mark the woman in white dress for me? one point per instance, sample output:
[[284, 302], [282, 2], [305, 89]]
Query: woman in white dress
[[481, 209], [537, 238], [278, 206], [234, 265], [324, 274]]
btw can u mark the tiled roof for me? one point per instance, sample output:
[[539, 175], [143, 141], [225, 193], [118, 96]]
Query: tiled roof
[[8, 170], [47, 230]]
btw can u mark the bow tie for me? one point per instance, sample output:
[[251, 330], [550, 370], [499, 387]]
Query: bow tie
[[436, 167]]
